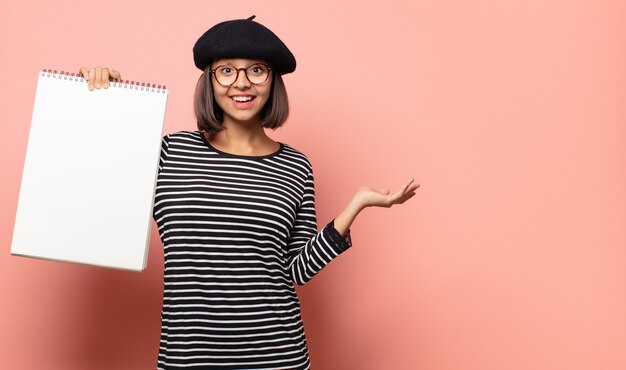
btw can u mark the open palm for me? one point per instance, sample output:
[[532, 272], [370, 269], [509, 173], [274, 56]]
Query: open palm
[[369, 196]]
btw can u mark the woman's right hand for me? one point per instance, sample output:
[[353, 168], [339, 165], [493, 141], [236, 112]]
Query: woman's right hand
[[98, 77]]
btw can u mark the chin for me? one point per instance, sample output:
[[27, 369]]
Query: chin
[[245, 117]]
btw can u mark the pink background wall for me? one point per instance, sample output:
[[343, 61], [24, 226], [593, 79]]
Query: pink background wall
[[510, 114]]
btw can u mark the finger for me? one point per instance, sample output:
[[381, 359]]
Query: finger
[[402, 191], [407, 195], [115, 75], [394, 198], [98, 77], [405, 198], [105, 77], [406, 186], [92, 78], [413, 188], [84, 72]]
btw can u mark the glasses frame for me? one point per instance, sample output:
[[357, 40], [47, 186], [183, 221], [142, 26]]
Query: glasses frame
[[245, 72]]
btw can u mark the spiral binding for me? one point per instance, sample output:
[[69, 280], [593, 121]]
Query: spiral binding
[[125, 84]]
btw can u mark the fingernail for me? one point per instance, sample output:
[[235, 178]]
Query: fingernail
[[90, 87], [106, 84], [98, 84]]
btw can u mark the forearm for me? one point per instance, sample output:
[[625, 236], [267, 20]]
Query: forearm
[[345, 218]]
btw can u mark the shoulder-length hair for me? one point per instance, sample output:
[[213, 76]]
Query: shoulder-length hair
[[210, 116]]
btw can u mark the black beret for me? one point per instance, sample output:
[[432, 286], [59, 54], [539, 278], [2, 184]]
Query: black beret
[[243, 38]]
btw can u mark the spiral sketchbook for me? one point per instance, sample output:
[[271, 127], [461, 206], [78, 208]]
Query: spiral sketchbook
[[90, 172]]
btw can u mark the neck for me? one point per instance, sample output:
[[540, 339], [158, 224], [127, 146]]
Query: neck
[[241, 133]]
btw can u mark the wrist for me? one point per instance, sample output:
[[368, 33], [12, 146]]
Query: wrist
[[356, 204]]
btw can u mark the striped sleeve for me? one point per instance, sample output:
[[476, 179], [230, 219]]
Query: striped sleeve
[[163, 156], [309, 250]]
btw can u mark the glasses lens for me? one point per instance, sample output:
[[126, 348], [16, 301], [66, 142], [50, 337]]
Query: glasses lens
[[257, 73], [225, 75]]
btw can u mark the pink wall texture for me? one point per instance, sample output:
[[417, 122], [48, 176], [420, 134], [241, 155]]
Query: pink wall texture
[[510, 114]]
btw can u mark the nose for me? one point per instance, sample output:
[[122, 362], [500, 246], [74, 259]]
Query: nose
[[242, 80]]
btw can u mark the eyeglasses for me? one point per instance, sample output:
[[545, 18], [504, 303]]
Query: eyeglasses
[[226, 75]]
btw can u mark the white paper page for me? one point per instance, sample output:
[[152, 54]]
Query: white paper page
[[89, 177]]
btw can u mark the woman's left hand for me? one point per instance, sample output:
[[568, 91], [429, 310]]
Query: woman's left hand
[[367, 196]]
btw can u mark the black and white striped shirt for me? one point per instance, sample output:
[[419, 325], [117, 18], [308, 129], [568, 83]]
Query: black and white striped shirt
[[238, 232]]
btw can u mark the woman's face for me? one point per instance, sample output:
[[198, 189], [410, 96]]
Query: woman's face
[[243, 100]]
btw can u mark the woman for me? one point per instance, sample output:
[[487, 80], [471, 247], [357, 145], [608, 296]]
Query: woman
[[236, 212]]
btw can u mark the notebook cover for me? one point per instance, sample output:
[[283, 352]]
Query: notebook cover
[[90, 171]]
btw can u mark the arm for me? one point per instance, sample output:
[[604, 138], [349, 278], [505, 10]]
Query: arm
[[163, 156], [308, 250], [345, 218]]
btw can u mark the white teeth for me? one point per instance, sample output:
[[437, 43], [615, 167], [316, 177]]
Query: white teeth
[[241, 98]]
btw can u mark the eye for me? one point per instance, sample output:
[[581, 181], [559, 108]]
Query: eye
[[257, 69], [226, 70]]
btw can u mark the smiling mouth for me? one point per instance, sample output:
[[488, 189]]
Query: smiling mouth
[[242, 99]]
